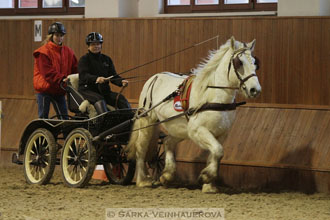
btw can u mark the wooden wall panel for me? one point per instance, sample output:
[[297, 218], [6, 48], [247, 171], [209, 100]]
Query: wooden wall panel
[[269, 148], [273, 137], [295, 63], [294, 52]]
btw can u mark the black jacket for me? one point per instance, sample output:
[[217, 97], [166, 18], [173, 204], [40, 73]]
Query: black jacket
[[91, 66]]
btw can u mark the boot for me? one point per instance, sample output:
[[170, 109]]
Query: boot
[[100, 107]]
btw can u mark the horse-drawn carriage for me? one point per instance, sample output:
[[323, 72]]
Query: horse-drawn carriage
[[206, 119], [79, 144]]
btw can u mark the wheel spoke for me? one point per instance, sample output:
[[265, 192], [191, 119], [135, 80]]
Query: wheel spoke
[[75, 142], [79, 141], [71, 150], [46, 148], [83, 168], [37, 173], [76, 147], [35, 147], [40, 145], [70, 173], [75, 175], [82, 149]]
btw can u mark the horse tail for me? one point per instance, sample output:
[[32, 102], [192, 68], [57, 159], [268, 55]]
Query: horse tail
[[143, 136], [131, 147]]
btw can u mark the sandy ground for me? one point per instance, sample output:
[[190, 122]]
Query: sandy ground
[[19, 200]]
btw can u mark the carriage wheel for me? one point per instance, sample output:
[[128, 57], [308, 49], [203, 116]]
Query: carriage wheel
[[119, 170], [156, 165], [78, 159], [40, 157]]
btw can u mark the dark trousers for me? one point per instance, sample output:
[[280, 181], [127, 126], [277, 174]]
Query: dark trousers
[[58, 102], [111, 98]]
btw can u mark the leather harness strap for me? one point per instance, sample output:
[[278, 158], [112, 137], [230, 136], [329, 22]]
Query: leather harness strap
[[184, 91], [214, 107]]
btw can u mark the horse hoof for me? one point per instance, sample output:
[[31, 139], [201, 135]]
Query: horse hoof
[[209, 188], [144, 184], [166, 178], [156, 184]]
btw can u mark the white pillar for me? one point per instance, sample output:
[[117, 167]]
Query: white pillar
[[150, 8], [324, 7], [101, 8], [111, 8], [128, 8], [303, 7]]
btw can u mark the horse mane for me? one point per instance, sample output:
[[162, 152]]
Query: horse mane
[[212, 61], [208, 66]]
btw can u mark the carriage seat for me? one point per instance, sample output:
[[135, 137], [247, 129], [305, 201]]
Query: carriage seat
[[76, 102]]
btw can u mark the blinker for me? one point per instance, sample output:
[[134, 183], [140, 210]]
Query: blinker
[[256, 62], [237, 63]]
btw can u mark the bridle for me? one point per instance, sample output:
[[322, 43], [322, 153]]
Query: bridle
[[236, 63]]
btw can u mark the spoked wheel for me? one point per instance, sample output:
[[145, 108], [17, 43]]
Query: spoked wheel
[[119, 170], [157, 163], [78, 159], [39, 157]]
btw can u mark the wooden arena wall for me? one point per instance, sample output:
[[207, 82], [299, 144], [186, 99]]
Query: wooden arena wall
[[273, 147], [294, 51], [295, 63]]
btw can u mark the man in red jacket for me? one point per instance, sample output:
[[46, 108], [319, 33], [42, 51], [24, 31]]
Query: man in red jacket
[[53, 62]]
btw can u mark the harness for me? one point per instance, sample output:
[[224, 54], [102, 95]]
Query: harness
[[184, 92], [236, 63]]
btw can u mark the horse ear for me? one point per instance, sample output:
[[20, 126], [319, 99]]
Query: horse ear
[[252, 44], [232, 42]]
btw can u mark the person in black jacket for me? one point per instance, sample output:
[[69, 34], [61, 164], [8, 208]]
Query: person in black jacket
[[94, 70]]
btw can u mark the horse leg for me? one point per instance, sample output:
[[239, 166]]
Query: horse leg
[[142, 143], [170, 166], [205, 139]]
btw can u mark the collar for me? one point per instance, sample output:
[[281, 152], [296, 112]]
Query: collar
[[54, 46], [96, 55]]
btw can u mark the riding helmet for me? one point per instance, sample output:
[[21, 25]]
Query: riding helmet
[[56, 27], [94, 37]]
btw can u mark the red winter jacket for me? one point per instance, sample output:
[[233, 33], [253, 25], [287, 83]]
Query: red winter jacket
[[52, 63]]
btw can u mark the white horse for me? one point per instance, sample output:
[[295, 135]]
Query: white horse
[[228, 70]]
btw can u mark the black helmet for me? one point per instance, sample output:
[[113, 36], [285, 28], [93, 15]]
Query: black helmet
[[94, 37], [56, 27]]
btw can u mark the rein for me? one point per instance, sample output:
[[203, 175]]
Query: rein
[[171, 54], [189, 112]]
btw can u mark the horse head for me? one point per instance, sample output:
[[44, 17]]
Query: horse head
[[242, 68]]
